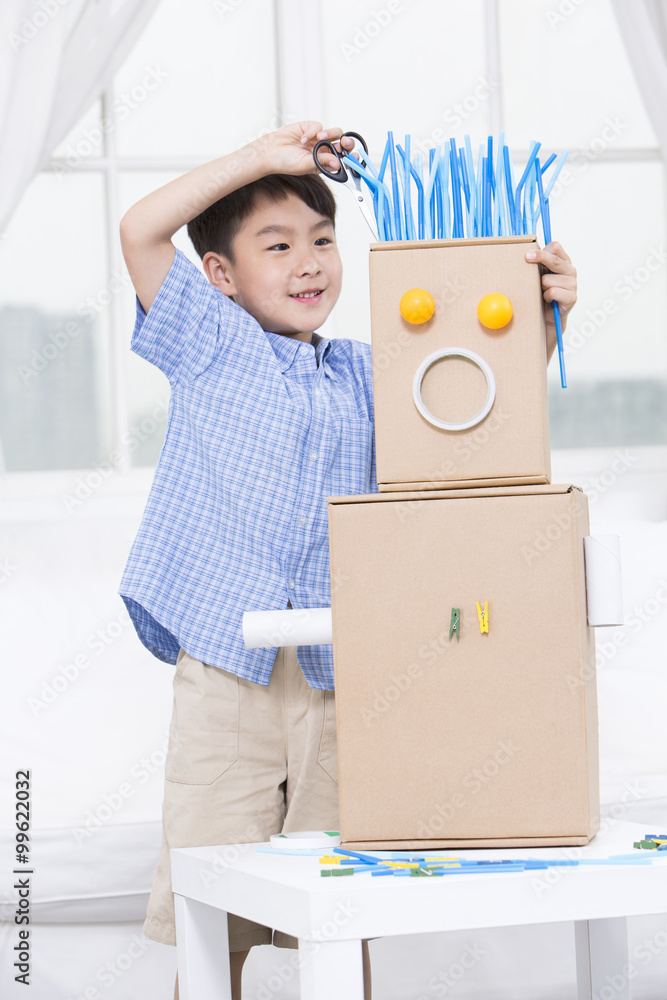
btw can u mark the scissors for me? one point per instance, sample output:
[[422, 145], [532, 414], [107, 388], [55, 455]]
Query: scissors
[[350, 178]]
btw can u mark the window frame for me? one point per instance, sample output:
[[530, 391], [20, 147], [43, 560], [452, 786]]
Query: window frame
[[301, 87]]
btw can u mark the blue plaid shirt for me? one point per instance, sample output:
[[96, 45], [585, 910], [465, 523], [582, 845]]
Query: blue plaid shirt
[[261, 429]]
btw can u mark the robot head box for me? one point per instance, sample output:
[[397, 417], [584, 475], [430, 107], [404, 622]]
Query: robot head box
[[457, 314]]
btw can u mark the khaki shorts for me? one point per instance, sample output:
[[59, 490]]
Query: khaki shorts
[[245, 760]]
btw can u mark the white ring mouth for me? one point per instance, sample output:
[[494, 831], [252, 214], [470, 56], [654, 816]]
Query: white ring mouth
[[453, 352]]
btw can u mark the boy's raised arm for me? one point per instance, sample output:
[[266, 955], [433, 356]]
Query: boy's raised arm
[[147, 228]]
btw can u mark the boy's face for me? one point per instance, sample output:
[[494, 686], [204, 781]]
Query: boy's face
[[286, 272]]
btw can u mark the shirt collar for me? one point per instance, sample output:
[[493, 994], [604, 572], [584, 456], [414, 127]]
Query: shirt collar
[[286, 349]]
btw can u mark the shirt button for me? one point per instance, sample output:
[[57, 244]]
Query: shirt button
[[313, 455], [302, 519], [291, 585]]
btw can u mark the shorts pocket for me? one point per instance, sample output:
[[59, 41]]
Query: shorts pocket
[[203, 737], [327, 756], [198, 757]]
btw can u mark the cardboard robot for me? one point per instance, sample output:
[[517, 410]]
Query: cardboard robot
[[464, 651]]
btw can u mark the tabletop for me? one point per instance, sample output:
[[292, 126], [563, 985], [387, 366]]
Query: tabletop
[[288, 892]]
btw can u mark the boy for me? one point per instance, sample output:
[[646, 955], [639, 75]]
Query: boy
[[266, 420]]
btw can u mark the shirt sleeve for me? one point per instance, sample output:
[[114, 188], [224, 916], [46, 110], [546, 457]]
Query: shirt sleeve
[[185, 327]]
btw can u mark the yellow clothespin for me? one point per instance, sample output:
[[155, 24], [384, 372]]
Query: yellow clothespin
[[483, 617]]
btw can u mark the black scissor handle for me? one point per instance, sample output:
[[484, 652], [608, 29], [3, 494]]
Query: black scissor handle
[[341, 174]]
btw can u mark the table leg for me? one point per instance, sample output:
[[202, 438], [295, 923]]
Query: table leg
[[330, 970], [602, 958], [202, 951]]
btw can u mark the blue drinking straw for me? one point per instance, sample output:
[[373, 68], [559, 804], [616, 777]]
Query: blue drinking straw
[[382, 192], [395, 193], [463, 171], [498, 187], [489, 154], [420, 196], [407, 198], [388, 206], [439, 200], [385, 161], [546, 229], [417, 169], [432, 189], [491, 184], [557, 169], [447, 216], [549, 162], [457, 215], [480, 190], [517, 197], [509, 189], [472, 182], [500, 217], [482, 167], [433, 155]]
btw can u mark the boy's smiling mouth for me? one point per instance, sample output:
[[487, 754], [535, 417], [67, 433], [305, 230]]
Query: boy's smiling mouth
[[309, 295]]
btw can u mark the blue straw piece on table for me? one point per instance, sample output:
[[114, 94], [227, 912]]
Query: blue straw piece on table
[[395, 193], [546, 229]]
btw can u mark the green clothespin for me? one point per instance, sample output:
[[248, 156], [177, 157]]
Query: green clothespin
[[455, 624]]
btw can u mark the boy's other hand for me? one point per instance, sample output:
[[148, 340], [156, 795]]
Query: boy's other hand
[[289, 150], [560, 286]]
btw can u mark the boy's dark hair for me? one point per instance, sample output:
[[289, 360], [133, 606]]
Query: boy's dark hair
[[214, 230]]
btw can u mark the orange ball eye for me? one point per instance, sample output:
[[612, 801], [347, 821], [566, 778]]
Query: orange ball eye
[[494, 311], [417, 305]]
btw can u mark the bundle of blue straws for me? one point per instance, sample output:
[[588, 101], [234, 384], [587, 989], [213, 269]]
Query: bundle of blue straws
[[447, 196]]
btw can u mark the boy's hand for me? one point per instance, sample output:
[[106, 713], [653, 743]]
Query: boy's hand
[[289, 150], [560, 286]]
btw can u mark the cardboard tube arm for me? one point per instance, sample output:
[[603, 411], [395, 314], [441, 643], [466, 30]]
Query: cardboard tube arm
[[289, 627], [604, 595]]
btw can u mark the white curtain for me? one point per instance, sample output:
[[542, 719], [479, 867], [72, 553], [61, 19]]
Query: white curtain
[[643, 25], [57, 57]]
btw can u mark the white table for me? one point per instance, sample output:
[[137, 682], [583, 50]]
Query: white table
[[331, 916]]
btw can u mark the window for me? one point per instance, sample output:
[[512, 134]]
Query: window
[[204, 78]]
